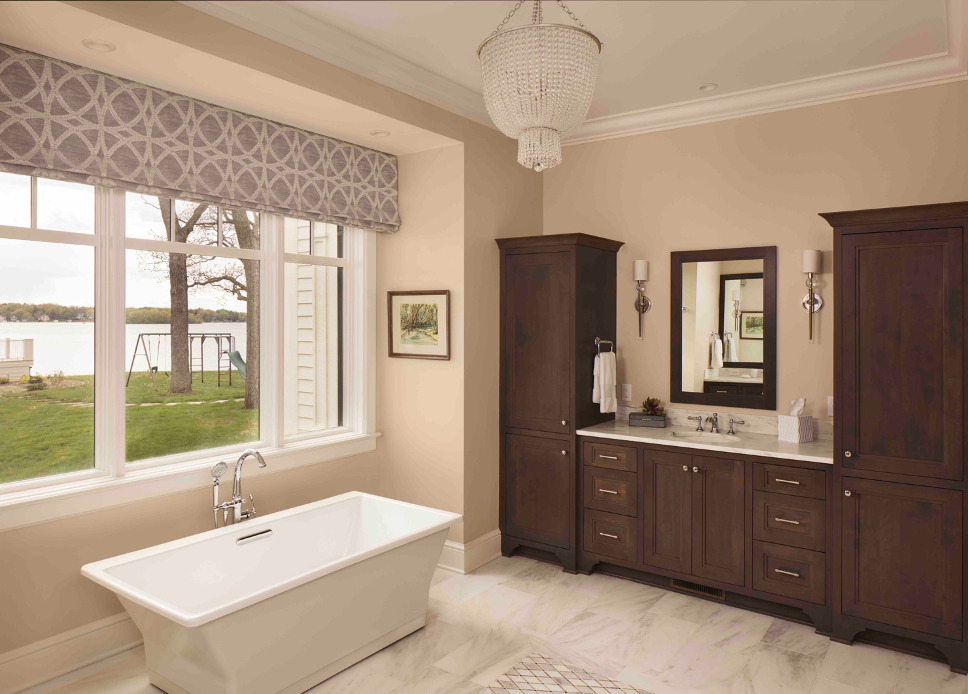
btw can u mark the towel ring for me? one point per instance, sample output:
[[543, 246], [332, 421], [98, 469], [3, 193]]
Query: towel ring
[[599, 342]]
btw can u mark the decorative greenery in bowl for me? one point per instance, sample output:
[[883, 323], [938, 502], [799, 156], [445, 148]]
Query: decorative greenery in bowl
[[652, 415]]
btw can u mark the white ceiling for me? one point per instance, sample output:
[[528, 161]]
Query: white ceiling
[[764, 55]]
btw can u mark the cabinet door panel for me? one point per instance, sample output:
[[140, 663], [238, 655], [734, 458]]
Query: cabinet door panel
[[903, 352], [538, 328], [718, 520], [667, 519], [539, 490], [902, 554]]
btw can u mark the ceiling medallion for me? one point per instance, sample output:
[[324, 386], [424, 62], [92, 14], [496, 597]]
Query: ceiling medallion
[[538, 82]]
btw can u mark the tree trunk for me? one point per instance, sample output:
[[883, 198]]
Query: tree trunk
[[248, 233], [181, 374]]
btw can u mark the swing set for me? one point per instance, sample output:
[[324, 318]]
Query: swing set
[[157, 346]]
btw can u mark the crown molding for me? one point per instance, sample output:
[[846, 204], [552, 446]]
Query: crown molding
[[293, 27], [919, 72]]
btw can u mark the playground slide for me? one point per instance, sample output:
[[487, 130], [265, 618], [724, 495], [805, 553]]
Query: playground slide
[[238, 361]]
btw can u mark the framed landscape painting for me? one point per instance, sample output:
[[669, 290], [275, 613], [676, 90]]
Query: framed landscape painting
[[751, 325], [419, 324]]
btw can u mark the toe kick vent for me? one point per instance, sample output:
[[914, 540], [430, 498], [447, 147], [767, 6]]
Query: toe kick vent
[[699, 589]]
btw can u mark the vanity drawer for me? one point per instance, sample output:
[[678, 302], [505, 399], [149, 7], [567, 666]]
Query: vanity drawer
[[610, 535], [614, 491], [610, 456], [721, 388], [789, 520], [790, 480], [790, 571]]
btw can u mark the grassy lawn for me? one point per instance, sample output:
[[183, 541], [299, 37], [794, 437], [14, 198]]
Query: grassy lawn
[[46, 432]]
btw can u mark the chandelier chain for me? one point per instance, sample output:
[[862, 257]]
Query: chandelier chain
[[536, 14], [571, 14], [508, 18]]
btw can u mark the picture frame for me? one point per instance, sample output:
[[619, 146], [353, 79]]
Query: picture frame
[[751, 326], [418, 324]]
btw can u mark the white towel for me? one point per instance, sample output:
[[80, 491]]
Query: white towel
[[603, 389], [715, 352], [731, 353]]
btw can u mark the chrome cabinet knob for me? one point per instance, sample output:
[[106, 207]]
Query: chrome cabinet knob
[[685, 468], [846, 492], [564, 423], [695, 469], [564, 452], [847, 454]]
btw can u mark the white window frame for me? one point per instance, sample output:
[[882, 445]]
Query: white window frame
[[112, 481]]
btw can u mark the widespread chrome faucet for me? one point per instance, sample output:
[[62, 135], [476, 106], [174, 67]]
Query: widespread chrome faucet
[[714, 419], [237, 515], [732, 432]]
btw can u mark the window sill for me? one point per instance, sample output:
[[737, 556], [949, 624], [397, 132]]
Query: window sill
[[43, 504]]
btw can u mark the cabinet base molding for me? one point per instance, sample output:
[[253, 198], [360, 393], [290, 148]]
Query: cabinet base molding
[[542, 552], [951, 652]]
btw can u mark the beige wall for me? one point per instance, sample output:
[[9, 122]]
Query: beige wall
[[439, 420], [757, 181]]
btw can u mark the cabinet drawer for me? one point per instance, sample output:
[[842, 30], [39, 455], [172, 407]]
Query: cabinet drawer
[[614, 491], [790, 480], [610, 535], [789, 520], [790, 571], [610, 456]]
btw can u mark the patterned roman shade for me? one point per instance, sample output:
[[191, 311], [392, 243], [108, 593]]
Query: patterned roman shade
[[68, 122]]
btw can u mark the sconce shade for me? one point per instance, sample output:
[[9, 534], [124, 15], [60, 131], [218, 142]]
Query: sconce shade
[[813, 262], [640, 270], [736, 295]]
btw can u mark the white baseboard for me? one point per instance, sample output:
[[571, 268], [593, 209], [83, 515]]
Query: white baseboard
[[465, 558], [55, 656]]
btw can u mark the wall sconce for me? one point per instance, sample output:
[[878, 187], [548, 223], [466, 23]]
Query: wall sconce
[[812, 302], [640, 273], [737, 298]]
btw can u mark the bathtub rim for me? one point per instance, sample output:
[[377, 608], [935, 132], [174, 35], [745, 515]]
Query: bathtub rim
[[98, 571]]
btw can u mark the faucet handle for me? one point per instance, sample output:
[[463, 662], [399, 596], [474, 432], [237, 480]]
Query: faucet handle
[[251, 512]]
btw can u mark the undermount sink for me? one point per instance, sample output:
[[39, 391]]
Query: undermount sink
[[706, 436]]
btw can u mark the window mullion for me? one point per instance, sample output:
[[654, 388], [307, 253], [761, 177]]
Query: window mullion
[[273, 331], [109, 327]]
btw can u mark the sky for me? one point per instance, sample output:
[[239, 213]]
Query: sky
[[38, 272]]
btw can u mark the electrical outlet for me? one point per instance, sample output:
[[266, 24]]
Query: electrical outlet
[[830, 405], [626, 392]]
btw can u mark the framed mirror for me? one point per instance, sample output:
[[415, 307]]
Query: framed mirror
[[724, 327]]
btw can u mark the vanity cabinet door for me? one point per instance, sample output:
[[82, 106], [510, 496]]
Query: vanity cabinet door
[[537, 341], [539, 489], [718, 519], [902, 555], [667, 510], [902, 352]]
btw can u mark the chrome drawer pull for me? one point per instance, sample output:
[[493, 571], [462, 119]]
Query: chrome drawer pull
[[787, 573], [777, 479], [607, 491], [608, 457], [614, 537], [784, 520]]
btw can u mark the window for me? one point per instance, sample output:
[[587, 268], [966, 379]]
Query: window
[[186, 350]]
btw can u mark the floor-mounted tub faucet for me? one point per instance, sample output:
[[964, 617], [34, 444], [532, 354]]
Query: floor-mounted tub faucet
[[232, 510]]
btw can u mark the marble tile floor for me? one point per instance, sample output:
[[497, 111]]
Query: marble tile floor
[[482, 624]]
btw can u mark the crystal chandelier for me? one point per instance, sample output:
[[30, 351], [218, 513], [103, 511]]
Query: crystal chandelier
[[538, 82]]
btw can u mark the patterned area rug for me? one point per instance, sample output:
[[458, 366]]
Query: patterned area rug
[[539, 673]]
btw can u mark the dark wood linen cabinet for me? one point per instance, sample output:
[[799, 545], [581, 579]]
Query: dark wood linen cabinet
[[899, 362], [558, 294]]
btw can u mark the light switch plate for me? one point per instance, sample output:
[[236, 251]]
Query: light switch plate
[[626, 392], [830, 405]]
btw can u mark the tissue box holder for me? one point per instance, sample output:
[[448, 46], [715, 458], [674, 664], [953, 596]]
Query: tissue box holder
[[640, 419], [795, 429]]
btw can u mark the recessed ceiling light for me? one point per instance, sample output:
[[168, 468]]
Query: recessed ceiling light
[[708, 87], [380, 133], [99, 46]]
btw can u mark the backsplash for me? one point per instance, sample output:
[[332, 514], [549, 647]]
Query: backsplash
[[755, 423]]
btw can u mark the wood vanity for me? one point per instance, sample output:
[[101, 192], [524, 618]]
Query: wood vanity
[[866, 545]]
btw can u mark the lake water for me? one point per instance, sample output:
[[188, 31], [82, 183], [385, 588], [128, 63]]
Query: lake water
[[69, 347]]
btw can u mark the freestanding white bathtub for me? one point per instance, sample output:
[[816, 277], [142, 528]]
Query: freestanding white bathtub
[[280, 603]]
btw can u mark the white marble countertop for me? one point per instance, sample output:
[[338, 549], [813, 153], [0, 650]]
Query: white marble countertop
[[819, 451]]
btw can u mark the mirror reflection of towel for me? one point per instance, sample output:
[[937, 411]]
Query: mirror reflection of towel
[[715, 352], [732, 354]]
